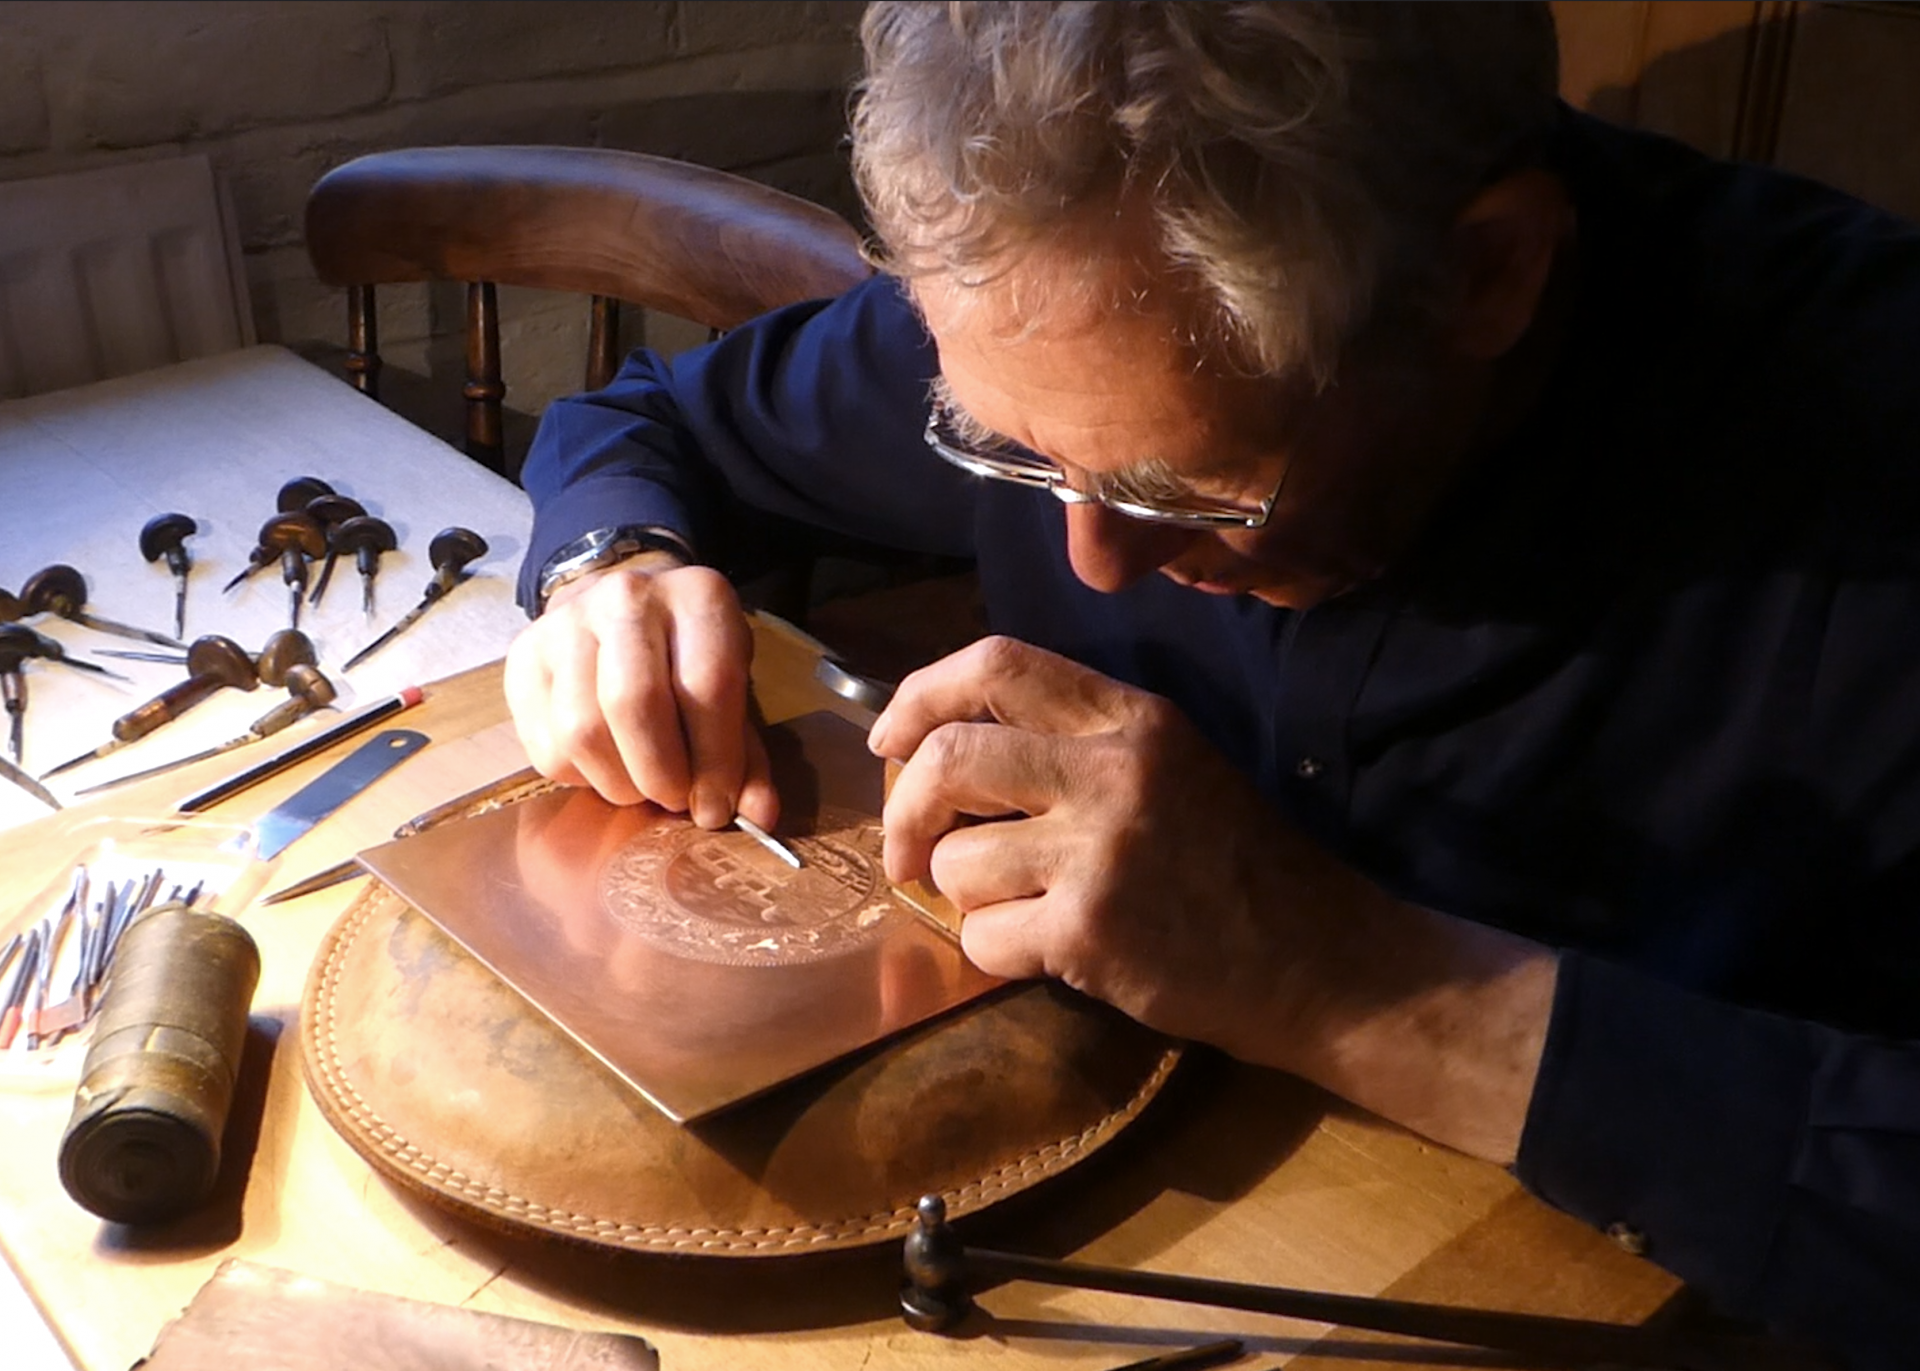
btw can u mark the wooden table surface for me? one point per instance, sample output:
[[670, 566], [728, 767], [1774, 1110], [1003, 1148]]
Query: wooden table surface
[[1237, 1174], [1244, 1175]]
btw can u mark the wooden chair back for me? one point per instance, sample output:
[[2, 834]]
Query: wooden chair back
[[700, 244]]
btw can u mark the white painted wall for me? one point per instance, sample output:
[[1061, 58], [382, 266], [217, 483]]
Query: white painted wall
[[277, 92]]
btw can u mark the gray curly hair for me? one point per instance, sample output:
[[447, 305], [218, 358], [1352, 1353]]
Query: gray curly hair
[[1304, 163]]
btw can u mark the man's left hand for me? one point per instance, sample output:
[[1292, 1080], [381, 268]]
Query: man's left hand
[[1129, 860], [1125, 857]]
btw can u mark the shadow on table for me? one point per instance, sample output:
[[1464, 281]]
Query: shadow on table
[[1214, 1133], [434, 402], [1143, 1342]]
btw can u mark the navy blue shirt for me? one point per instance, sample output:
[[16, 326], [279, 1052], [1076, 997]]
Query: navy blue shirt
[[1647, 690]]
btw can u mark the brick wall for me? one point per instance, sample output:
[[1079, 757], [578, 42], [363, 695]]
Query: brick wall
[[277, 93]]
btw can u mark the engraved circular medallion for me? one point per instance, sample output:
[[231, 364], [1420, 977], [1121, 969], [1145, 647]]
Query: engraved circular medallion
[[721, 897]]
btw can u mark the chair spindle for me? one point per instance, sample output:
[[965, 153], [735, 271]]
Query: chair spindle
[[363, 341], [484, 389]]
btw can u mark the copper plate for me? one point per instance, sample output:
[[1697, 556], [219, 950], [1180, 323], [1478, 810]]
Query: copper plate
[[700, 969], [453, 1088]]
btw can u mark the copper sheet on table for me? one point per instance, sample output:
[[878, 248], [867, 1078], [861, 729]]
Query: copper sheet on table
[[696, 965]]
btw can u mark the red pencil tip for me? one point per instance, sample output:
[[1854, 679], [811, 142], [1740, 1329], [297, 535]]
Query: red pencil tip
[[412, 696]]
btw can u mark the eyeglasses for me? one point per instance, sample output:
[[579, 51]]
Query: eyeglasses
[[1007, 461]]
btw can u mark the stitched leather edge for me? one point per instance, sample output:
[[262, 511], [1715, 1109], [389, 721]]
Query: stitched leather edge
[[380, 1143]]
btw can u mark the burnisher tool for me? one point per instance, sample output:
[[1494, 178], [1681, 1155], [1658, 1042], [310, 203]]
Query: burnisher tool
[[366, 537], [450, 552], [61, 590], [330, 511], [165, 535]]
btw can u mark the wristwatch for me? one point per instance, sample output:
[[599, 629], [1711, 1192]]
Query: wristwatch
[[600, 549]]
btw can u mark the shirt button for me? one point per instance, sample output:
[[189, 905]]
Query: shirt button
[[1309, 768], [1628, 1238]]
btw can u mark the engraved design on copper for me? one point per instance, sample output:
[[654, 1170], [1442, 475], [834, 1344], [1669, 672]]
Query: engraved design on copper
[[721, 897]]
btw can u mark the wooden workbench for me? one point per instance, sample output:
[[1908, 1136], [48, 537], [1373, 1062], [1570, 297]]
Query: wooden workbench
[[1237, 1174]]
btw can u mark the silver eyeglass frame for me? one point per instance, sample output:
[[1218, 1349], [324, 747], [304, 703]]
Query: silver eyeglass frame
[[1054, 480]]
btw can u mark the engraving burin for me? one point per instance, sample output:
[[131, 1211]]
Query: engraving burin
[[721, 897]]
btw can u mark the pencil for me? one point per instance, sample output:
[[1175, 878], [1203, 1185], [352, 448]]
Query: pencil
[[299, 752]]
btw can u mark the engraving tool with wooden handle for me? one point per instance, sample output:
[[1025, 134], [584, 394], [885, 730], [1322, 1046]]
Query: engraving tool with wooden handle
[[213, 663], [450, 551]]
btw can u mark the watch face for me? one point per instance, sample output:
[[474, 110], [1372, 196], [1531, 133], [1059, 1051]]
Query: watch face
[[590, 551], [602, 548], [576, 559]]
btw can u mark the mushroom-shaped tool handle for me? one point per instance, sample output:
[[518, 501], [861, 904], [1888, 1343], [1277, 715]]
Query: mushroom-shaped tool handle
[[62, 590], [296, 494], [58, 589], [297, 532], [308, 689], [366, 537], [213, 663], [19, 641], [165, 535], [328, 510], [331, 511], [450, 552], [284, 650], [296, 538]]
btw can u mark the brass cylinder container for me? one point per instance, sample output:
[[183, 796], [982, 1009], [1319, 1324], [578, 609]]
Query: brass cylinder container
[[143, 1144]]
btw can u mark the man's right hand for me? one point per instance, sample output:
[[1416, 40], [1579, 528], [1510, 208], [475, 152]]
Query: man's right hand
[[634, 682]]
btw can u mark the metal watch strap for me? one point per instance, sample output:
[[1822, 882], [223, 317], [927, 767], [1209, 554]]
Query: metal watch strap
[[602, 548]]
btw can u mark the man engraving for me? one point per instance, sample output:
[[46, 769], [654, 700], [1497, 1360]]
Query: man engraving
[[1455, 572]]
